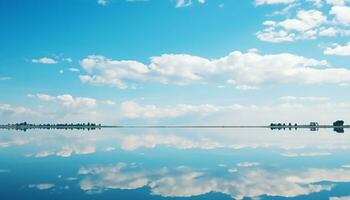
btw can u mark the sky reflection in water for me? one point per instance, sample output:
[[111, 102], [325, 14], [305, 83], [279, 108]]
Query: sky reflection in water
[[174, 163]]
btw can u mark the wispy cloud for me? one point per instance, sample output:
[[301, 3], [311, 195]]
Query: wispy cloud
[[45, 60], [42, 186], [5, 78], [303, 98], [272, 2], [309, 154]]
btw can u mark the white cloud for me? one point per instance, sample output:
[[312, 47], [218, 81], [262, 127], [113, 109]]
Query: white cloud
[[250, 69], [271, 35], [78, 102], [11, 110], [134, 142], [45, 97], [67, 151], [338, 50], [186, 3], [248, 164], [102, 2], [245, 87], [301, 98], [43, 154], [317, 3], [333, 31], [304, 26], [44, 60], [72, 69], [336, 2], [183, 3], [311, 154], [305, 20], [66, 107], [307, 24], [286, 10], [42, 186], [340, 198], [329, 32], [232, 170], [271, 2], [112, 72], [69, 101], [136, 0], [68, 60], [341, 14], [109, 102]]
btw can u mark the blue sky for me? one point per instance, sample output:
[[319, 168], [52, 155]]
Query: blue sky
[[174, 62]]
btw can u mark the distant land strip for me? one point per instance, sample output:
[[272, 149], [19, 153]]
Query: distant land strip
[[92, 126]]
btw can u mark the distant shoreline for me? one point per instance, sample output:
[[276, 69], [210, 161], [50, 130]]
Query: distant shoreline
[[93, 127]]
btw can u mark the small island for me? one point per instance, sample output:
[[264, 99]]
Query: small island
[[338, 126], [24, 126]]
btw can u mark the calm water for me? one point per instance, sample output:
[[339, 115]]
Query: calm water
[[174, 164]]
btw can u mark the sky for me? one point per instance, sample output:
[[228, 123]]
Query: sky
[[176, 62]]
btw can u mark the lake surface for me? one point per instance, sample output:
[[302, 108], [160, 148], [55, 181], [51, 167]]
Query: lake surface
[[174, 164]]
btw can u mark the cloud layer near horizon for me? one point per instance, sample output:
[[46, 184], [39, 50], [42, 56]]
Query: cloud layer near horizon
[[244, 70]]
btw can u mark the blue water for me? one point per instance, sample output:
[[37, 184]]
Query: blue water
[[174, 164]]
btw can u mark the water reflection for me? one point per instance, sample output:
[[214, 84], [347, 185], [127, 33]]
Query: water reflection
[[245, 181], [166, 163]]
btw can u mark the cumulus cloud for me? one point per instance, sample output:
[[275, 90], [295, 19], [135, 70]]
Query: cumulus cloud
[[45, 60], [338, 50], [66, 107], [75, 103], [186, 182], [304, 26], [341, 14], [69, 101], [247, 70], [307, 24]]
